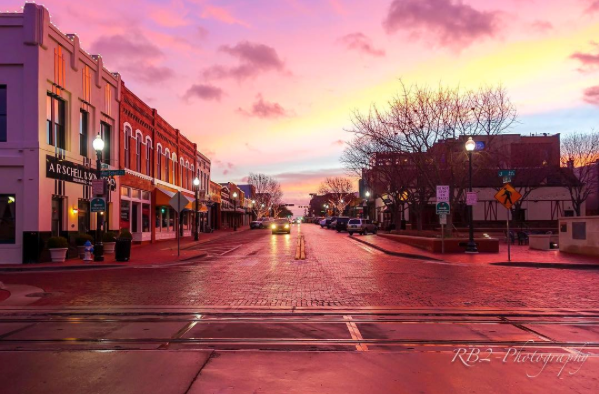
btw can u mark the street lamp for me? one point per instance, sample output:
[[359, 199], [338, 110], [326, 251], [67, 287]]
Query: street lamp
[[234, 211], [196, 186], [367, 194], [471, 246], [98, 145]]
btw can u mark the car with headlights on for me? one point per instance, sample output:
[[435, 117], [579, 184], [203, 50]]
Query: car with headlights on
[[280, 226]]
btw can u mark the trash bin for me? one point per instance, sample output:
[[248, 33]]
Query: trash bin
[[122, 249]]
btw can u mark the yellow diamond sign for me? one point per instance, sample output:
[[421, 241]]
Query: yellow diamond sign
[[507, 196]]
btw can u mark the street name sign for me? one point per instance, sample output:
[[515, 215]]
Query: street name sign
[[442, 193], [471, 198], [97, 204], [443, 208], [509, 173], [107, 173], [508, 196]]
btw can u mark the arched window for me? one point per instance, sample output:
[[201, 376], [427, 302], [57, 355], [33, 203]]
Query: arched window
[[159, 164], [167, 161], [181, 173], [148, 156], [127, 147], [138, 138]]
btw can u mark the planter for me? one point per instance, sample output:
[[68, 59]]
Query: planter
[[81, 251], [58, 255], [109, 247]]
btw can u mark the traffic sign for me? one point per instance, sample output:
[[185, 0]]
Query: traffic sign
[[471, 198], [98, 204], [443, 208], [107, 173], [442, 193], [442, 219], [510, 173], [179, 201], [99, 187], [507, 196]]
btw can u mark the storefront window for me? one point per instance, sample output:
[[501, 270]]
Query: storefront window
[[83, 216], [145, 218], [125, 215], [125, 191], [171, 219], [8, 214]]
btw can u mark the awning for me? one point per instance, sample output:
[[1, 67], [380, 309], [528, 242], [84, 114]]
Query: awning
[[163, 196]]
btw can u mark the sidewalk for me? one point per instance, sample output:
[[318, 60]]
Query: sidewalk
[[521, 255], [162, 252]]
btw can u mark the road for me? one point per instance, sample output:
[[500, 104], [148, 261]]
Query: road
[[250, 318], [255, 268]]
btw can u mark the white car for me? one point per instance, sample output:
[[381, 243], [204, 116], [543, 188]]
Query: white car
[[323, 222]]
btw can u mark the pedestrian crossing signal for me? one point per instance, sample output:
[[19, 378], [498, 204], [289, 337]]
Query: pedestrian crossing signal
[[508, 196]]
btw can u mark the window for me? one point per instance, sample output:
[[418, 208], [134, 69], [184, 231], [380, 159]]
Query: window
[[105, 134], [148, 157], [55, 115], [83, 128], [3, 114], [8, 214], [138, 152], [167, 160], [126, 147], [174, 172], [159, 164]]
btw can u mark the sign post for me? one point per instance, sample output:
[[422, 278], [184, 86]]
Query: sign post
[[443, 222], [508, 196], [178, 202]]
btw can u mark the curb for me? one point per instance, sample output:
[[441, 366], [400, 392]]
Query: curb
[[398, 254], [574, 266], [98, 266]]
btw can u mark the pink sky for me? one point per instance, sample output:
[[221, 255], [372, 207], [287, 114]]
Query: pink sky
[[268, 85]]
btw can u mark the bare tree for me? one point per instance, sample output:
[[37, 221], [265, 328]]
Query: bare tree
[[580, 162], [429, 128], [268, 193], [339, 191]]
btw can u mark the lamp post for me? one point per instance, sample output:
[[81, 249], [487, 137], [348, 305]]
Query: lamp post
[[196, 186], [471, 246], [98, 146], [367, 194], [234, 211]]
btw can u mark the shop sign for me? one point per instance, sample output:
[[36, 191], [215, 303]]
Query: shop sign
[[68, 171], [98, 205]]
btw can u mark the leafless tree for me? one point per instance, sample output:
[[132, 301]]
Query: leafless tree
[[268, 194], [580, 164], [428, 127], [339, 191]]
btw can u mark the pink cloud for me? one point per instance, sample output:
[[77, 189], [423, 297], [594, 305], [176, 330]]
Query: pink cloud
[[591, 95], [254, 59], [264, 109], [202, 32], [590, 62], [204, 92], [593, 6], [541, 26], [338, 143], [222, 15], [452, 23], [361, 43]]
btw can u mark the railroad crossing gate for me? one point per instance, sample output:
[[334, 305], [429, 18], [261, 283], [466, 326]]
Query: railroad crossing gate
[[507, 196]]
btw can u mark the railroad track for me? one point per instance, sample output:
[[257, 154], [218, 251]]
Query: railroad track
[[262, 329]]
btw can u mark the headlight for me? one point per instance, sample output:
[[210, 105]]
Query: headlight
[[286, 226], [274, 226]]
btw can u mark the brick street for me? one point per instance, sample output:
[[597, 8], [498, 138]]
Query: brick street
[[255, 268]]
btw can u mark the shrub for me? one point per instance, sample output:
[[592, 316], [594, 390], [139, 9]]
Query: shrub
[[82, 238], [109, 236], [57, 243], [125, 234]]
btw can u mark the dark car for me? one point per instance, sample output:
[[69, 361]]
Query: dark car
[[329, 221], [341, 224], [280, 226]]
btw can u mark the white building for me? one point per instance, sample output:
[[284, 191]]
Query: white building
[[54, 99]]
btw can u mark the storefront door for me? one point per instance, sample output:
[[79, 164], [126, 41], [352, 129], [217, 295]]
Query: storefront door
[[56, 216]]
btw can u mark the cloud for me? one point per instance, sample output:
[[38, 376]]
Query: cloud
[[254, 59], [591, 95], [204, 92], [338, 143], [541, 26], [252, 148], [361, 43], [452, 22], [222, 15], [593, 6], [147, 73], [202, 32], [590, 62], [264, 109]]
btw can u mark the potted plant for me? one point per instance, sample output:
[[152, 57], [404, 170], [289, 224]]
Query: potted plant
[[109, 241], [123, 245], [58, 249], [80, 241]]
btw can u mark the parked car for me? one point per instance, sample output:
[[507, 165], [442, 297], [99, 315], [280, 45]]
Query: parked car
[[260, 223], [361, 226], [280, 226], [330, 222], [341, 224], [323, 222]]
